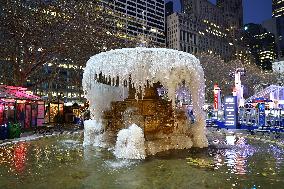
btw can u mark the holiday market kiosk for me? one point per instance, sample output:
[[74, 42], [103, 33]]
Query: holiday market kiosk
[[17, 105]]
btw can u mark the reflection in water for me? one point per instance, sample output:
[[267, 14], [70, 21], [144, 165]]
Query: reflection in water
[[230, 139], [235, 157], [242, 165], [24, 158], [278, 154], [14, 156], [20, 155]]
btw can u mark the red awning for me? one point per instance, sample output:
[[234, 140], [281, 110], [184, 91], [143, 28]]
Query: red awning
[[17, 93]]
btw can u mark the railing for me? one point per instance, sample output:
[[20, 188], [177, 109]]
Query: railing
[[248, 118], [268, 90]]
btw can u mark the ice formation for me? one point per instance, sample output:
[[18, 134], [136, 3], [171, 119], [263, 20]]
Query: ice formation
[[130, 143], [144, 66], [104, 95], [92, 132]]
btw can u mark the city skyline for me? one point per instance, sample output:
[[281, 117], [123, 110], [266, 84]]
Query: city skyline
[[254, 12]]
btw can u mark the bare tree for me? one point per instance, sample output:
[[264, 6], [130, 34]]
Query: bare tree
[[217, 71], [36, 34]]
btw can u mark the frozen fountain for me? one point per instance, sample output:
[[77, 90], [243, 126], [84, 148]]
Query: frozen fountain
[[128, 115]]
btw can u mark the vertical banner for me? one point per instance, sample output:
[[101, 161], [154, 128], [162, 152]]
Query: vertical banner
[[261, 114], [231, 112], [217, 98]]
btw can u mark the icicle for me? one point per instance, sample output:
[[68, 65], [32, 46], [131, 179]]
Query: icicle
[[153, 64]]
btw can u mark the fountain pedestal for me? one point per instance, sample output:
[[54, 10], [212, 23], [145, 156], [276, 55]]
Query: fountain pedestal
[[162, 126], [153, 114]]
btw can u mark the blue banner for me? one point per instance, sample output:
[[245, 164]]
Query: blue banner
[[261, 114], [231, 112]]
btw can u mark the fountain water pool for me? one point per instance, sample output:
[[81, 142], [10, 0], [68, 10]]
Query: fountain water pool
[[121, 86], [54, 163]]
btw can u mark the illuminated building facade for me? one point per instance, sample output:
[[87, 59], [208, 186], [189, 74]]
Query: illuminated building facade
[[233, 10], [66, 82], [140, 17], [276, 26], [277, 8], [261, 44], [205, 27]]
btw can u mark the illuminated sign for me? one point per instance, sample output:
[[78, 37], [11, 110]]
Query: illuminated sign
[[231, 112], [261, 114], [217, 100]]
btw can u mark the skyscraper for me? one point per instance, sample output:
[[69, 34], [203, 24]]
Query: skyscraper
[[276, 25], [232, 9], [277, 8], [140, 17], [205, 27], [261, 44]]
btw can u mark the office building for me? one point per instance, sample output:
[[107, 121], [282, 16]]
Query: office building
[[276, 26], [140, 18], [233, 10], [67, 82], [261, 44], [277, 8], [205, 27]]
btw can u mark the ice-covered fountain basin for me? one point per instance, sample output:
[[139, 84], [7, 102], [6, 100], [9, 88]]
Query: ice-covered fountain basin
[[106, 75]]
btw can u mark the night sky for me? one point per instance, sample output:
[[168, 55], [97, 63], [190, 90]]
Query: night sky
[[255, 11]]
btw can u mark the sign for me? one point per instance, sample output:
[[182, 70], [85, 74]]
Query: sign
[[217, 98], [231, 112], [261, 114]]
